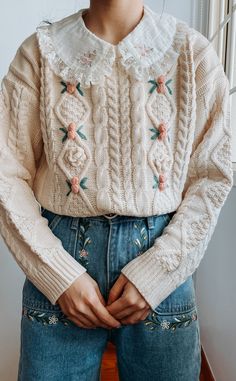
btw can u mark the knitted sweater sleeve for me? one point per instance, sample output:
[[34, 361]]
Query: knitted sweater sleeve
[[37, 251], [177, 253]]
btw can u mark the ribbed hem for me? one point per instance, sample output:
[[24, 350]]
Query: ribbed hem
[[148, 276], [55, 276]]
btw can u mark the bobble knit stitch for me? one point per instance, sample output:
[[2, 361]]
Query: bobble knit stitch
[[135, 129]]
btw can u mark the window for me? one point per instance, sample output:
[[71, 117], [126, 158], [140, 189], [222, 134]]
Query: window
[[222, 33]]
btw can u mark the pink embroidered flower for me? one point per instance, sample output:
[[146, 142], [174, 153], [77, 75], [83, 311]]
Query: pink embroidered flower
[[161, 84], [162, 131], [161, 182], [71, 130], [75, 184], [70, 88], [83, 253]]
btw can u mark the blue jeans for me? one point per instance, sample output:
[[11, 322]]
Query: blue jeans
[[163, 347]]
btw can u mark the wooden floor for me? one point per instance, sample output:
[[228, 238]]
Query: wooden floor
[[109, 369]]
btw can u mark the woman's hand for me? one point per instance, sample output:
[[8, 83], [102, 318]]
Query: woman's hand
[[129, 307], [84, 304]]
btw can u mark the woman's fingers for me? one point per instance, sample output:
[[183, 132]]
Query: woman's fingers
[[136, 317], [103, 315]]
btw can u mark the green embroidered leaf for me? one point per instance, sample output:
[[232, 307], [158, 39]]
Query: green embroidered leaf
[[169, 80], [68, 193], [79, 89], [153, 82], [82, 183], [63, 129], [68, 182], [152, 89], [64, 138], [170, 91], [156, 181], [63, 91], [63, 83], [81, 134]]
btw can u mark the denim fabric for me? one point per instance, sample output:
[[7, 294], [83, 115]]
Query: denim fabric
[[163, 347]]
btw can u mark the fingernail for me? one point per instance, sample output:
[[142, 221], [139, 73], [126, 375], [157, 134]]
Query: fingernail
[[118, 326]]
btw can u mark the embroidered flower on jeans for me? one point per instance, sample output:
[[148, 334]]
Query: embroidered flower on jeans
[[53, 319], [45, 317], [140, 242], [153, 321], [165, 324], [84, 241], [75, 157]]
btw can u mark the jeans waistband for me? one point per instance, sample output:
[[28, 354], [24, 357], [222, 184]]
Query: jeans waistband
[[149, 219], [119, 218]]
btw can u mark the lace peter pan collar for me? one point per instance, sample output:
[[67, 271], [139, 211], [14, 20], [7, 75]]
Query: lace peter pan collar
[[76, 54]]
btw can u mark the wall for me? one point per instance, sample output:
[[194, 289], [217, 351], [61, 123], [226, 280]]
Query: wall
[[18, 20]]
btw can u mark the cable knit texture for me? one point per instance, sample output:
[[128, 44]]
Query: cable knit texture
[[139, 128]]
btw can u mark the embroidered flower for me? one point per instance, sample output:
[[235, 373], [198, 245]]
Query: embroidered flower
[[83, 253], [165, 324], [45, 318], [159, 182], [160, 132], [87, 58], [144, 50], [84, 240], [70, 132], [74, 184], [52, 319], [71, 88], [160, 85], [141, 241], [153, 321], [75, 156]]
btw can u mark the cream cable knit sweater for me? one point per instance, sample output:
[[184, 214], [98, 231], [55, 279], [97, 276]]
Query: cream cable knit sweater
[[138, 128]]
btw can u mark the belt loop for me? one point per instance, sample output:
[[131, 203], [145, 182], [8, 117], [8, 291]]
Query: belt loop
[[150, 222], [75, 222]]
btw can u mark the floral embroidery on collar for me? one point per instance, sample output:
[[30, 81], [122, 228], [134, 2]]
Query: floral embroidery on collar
[[86, 58]]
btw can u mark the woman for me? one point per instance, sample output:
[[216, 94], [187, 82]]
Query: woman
[[115, 164]]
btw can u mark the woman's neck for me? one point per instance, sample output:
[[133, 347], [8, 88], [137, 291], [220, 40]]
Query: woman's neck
[[113, 20]]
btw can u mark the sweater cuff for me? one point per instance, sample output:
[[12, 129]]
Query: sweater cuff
[[147, 274], [57, 274]]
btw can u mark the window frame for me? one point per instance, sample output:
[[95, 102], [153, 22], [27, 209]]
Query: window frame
[[220, 29]]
